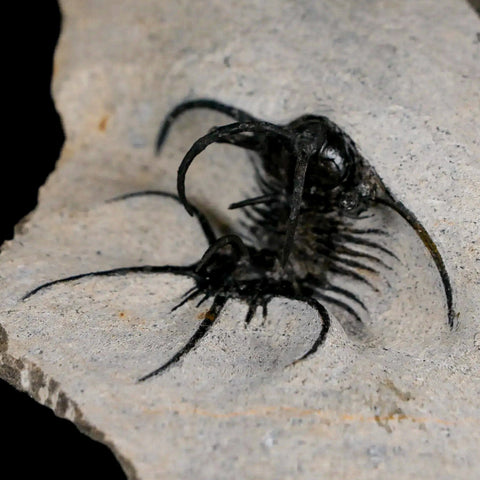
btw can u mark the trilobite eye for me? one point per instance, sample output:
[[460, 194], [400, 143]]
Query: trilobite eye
[[327, 170], [334, 161]]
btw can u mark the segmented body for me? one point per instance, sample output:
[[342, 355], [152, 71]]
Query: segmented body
[[323, 247], [301, 235]]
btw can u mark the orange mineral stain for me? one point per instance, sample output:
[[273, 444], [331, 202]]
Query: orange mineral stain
[[206, 315], [326, 416], [102, 125]]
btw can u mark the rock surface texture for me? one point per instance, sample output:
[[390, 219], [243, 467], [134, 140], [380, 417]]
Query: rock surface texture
[[403, 79]]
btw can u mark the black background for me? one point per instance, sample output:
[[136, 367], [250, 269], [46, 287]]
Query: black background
[[35, 442]]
